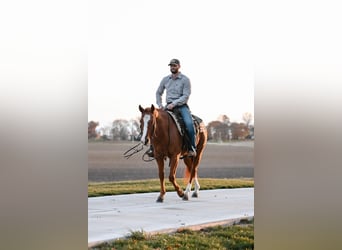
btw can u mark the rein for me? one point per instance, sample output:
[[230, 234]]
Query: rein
[[133, 150], [138, 147]]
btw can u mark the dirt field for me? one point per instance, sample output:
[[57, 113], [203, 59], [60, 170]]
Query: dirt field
[[226, 160]]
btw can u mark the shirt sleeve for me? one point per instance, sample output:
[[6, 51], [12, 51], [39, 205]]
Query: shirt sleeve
[[160, 92]]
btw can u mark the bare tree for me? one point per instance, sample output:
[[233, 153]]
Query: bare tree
[[120, 129], [105, 130], [224, 119], [134, 129], [247, 118]]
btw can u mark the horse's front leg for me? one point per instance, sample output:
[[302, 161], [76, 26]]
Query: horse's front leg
[[190, 169], [174, 160], [160, 162]]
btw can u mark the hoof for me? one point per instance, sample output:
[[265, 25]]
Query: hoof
[[195, 195], [160, 199], [185, 197]]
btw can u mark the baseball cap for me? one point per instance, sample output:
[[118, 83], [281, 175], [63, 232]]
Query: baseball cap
[[174, 61]]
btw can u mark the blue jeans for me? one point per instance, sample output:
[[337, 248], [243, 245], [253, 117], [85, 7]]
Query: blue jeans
[[185, 112]]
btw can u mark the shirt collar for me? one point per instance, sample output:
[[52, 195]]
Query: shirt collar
[[178, 77]]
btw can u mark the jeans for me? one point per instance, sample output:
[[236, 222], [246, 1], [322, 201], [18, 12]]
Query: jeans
[[185, 112]]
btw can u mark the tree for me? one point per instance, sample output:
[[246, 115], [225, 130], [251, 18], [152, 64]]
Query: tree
[[134, 129], [92, 129], [224, 118], [105, 131], [217, 131], [120, 129], [239, 131], [247, 118], [125, 130]]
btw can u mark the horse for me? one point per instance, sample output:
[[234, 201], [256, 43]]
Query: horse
[[158, 128]]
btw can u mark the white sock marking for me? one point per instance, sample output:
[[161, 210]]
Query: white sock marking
[[197, 185], [188, 188]]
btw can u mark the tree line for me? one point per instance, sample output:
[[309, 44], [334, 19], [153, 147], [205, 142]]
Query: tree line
[[220, 130]]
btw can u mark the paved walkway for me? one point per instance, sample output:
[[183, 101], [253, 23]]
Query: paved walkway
[[113, 217]]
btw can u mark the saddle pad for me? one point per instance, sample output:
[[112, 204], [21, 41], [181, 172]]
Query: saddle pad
[[174, 117], [199, 126]]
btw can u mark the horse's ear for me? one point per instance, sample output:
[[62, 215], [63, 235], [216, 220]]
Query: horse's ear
[[141, 109], [152, 108]]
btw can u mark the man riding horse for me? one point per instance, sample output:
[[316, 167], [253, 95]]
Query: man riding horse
[[178, 90]]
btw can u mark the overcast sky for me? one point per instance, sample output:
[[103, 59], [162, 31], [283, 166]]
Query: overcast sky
[[131, 42]]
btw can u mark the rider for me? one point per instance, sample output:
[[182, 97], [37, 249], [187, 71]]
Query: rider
[[178, 89]]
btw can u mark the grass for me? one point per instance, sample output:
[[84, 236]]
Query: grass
[[131, 187], [236, 237]]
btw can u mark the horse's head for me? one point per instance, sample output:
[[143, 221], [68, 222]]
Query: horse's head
[[147, 123]]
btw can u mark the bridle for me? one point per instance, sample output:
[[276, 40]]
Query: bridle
[[151, 132]]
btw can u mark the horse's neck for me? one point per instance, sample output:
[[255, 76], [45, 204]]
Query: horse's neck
[[161, 123]]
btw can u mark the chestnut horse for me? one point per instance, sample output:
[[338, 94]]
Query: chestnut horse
[[160, 129]]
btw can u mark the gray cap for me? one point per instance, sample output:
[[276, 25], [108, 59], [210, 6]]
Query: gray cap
[[174, 61]]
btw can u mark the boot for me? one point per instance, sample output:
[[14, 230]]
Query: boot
[[149, 152], [192, 152]]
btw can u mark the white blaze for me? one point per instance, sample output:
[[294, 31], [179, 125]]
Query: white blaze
[[144, 134]]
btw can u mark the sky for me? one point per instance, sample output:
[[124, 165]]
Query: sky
[[131, 43]]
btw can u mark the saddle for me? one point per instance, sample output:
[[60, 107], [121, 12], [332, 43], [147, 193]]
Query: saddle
[[177, 117]]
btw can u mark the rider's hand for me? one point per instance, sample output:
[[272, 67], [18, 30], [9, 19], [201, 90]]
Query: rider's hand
[[170, 106]]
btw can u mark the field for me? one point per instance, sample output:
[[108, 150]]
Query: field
[[223, 161], [220, 160]]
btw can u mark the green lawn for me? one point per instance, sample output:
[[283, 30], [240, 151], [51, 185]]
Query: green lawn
[[146, 186], [236, 237]]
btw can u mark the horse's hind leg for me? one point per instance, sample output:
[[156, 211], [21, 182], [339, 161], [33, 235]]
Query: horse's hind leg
[[195, 177], [194, 174], [189, 168], [197, 188], [160, 162], [192, 168]]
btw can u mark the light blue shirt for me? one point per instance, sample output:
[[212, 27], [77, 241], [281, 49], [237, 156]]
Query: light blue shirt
[[177, 90]]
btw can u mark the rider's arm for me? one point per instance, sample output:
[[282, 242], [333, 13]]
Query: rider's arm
[[159, 93]]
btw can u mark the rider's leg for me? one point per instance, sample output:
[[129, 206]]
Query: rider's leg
[[185, 112]]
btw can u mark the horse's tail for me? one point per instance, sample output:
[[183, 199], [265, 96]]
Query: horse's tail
[[202, 141]]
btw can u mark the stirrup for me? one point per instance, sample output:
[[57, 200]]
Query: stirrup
[[149, 152], [191, 153], [149, 157]]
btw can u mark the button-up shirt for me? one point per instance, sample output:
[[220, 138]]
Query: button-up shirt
[[178, 90]]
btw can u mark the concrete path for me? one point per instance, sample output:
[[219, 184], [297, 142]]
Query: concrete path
[[113, 217]]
